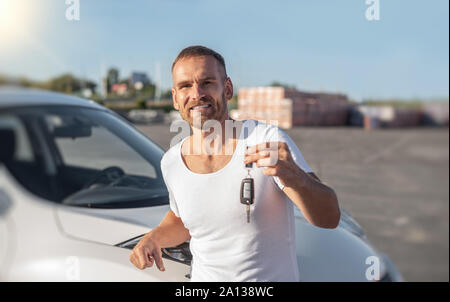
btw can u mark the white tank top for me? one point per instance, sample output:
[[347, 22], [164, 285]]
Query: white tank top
[[224, 246]]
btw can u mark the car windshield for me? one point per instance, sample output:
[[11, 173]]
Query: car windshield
[[83, 157]]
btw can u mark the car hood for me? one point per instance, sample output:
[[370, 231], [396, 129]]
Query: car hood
[[322, 254], [108, 226]]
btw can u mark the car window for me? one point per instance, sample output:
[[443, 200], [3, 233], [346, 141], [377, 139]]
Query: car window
[[22, 150], [23, 160], [85, 157], [101, 149]]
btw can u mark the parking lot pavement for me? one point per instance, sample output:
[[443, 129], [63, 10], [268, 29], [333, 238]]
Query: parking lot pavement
[[395, 182]]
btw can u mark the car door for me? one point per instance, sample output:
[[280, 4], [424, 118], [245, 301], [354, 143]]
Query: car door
[[36, 155]]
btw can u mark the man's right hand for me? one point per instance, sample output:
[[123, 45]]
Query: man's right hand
[[170, 232], [145, 253]]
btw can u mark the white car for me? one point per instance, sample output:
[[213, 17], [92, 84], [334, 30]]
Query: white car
[[80, 185]]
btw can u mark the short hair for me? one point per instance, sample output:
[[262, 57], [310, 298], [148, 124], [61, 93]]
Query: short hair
[[198, 51]]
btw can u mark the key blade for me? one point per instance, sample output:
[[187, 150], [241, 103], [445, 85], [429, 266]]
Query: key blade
[[248, 213]]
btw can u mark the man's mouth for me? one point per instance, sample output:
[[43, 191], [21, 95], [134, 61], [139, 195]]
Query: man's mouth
[[201, 107]]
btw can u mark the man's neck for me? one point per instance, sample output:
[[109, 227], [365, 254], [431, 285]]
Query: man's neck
[[215, 139]]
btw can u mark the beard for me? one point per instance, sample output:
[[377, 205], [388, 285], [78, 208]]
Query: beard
[[196, 119]]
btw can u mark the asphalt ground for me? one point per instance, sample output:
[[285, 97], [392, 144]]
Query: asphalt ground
[[395, 182]]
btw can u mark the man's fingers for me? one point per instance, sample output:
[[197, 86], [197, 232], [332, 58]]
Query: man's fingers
[[270, 171], [140, 261], [150, 259], [256, 156], [133, 258], [158, 260], [144, 256], [267, 146], [267, 162], [143, 259], [263, 158]]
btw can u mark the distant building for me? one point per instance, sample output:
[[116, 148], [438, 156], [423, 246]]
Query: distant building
[[390, 116], [436, 114], [119, 89], [289, 107], [138, 77]]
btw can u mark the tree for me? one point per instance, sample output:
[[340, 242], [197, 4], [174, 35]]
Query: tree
[[112, 78], [279, 84], [68, 83], [167, 94], [149, 91], [3, 80]]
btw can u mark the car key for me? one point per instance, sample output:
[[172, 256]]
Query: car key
[[247, 190], [247, 194]]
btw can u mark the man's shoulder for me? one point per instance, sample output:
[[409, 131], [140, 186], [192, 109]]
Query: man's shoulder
[[263, 131], [170, 156]]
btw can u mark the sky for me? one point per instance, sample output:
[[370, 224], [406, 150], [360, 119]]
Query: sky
[[316, 45]]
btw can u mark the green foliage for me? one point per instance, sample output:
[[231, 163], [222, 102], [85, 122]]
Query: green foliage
[[166, 106], [166, 94], [141, 102], [233, 103], [112, 78], [97, 98], [66, 83], [279, 84], [121, 106], [148, 91]]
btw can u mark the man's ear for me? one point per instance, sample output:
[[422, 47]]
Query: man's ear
[[174, 96], [228, 89]]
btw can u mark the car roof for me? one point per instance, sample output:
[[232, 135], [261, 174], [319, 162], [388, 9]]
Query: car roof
[[18, 96]]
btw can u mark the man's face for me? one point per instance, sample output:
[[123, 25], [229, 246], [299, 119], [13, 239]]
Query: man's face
[[200, 89]]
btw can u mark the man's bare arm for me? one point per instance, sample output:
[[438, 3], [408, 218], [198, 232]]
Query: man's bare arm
[[170, 232], [317, 201]]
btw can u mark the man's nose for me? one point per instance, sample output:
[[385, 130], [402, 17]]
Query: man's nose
[[197, 92]]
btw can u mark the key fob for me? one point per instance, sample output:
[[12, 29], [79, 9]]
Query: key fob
[[247, 191]]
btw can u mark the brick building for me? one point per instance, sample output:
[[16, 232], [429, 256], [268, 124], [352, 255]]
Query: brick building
[[290, 107]]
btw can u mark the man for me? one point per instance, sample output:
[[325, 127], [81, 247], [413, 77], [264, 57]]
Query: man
[[204, 186]]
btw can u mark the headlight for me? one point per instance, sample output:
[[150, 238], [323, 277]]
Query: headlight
[[180, 253]]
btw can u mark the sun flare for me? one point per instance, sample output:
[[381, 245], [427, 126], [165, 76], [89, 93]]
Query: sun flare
[[14, 19]]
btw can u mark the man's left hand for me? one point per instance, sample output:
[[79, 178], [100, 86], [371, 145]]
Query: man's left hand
[[277, 159]]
